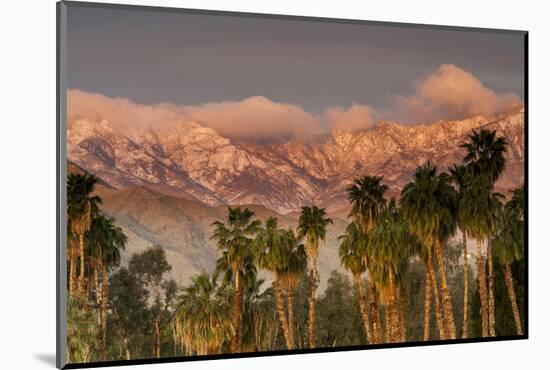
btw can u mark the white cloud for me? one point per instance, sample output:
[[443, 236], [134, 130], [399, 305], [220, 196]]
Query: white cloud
[[256, 118], [355, 118], [451, 93]]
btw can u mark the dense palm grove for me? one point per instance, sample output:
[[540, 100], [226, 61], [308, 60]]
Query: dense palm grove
[[411, 279]]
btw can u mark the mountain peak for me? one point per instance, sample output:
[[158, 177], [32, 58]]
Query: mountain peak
[[193, 161]]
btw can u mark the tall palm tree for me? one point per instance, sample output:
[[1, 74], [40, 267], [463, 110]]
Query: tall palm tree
[[366, 196], [475, 212], [271, 255], [448, 201], [508, 243], [429, 207], [495, 207], [460, 177], [105, 241], [388, 256], [485, 157], [312, 227], [81, 207], [234, 241], [201, 322], [291, 272], [353, 245], [479, 211], [430, 289]]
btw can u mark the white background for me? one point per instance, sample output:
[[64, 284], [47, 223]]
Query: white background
[[27, 183]]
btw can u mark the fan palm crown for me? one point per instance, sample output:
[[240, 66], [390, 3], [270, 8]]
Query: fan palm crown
[[366, 196], [485, 154]]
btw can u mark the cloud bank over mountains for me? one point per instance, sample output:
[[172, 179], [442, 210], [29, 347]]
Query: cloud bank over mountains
[[452, 93], [255, 118], [447, 93]]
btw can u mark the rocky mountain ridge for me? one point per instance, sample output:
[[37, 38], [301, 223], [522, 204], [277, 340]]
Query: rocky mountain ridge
[[192, 161]]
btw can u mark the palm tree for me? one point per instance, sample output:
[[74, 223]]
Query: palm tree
[[353, 245], [388, 256], [430, 287], [272, 256], [291, 272], [508, 242], [474, 210], [312, 226], [460, 177], [256, 314], [479, 210], [201, 321], [105, 241], [518, 201], [81, 207], [485, 154], [278, 251], [234, 241], [429, 206], [485, 157], [448, 199], [366, 196], [495, 207]]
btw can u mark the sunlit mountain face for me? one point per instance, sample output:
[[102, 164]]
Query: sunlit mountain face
[[194, 161]]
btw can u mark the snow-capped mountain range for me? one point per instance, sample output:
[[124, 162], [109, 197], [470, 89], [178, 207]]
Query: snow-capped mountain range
[[192, 161]]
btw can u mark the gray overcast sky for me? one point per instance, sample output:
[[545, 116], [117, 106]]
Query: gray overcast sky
[[190, 59]]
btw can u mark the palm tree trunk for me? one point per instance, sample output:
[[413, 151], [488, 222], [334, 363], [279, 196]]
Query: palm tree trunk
[[445, 296], [236, 308], [394, 315], [482, 289], [96, 284], [99, 299], [291, 323], [72, 272], [492, 332], [373, 310], [157, 338], [388, 334], [466, 269], [154, 353], [363, 306], [81, 281], [127, 349], [402, 314], [104, 305], [394, 312], [312, 303], [512, 297], [89, 287], [427, 302], [438, 313], [279, 302]]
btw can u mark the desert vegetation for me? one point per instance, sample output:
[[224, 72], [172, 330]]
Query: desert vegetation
[[409, 276]]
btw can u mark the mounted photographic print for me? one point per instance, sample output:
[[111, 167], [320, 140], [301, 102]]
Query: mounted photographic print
[[235, 185]]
